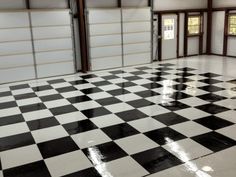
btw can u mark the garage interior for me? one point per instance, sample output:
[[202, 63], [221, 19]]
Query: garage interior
[[117, 88]]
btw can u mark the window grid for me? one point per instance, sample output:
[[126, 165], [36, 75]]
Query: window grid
[[232, 25], [194, 25]]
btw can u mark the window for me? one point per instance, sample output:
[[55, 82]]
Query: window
[[169, 29], [194, 25], [232, 24]]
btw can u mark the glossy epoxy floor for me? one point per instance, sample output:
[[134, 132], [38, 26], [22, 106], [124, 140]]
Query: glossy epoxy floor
[[175, 118]]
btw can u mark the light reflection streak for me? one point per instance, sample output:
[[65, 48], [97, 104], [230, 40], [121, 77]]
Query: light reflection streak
[[96, 157], [190, 166]]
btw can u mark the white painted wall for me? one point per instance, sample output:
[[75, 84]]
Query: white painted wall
[[134, 3], [218, 32], [181, 34], [224, 3], [179, 4], [101, 3]]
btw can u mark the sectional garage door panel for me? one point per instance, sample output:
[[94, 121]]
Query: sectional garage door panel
[[14, 20], [104, 16], [16, 74], [51, 18], [53, 42], [55, 69], [54, 57], [105, 38], [13, 61], [107, 63], [11, 35], [52, 32], [136, 36], [16, 54]]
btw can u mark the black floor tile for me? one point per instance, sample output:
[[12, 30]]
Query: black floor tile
[[25, 96], [51, 97], [33, 107], [164, 136], [79, 99], [6, 105], [211, 97], [166, 64], [180, 87], [63, 110], [213, 122], [11, 120], [66, 89], [214, 141], [156, 79], [79, 82], [211, 88], [4, 94], [108, 101], [42, 123], [212, 109], [57, 147], [133, 78], [185, 74], [210, 75], [157, 159], [56, 81], [161, 73], [143, 68], [120, 131], [232, 81], [90, 172], [136, 73], [170, 119], [16, 141], [117, 72], [175, 106], [186, 69], [126, 84], [210, 81], [162, 69], [89, 76], [118, 92], [182, 80], [147, 93], [140, 103], [131, 115], [179, 96], [91, 90], [42, 88], [79, 127], [101, 83], [96, 112], [18, 87], [36, 169], [110, 77], [152, 85], [104, 153]]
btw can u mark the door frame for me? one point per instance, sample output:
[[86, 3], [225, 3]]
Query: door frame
[[159, 24]]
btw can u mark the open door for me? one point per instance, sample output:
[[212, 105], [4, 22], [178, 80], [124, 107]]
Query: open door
[[169, 37]]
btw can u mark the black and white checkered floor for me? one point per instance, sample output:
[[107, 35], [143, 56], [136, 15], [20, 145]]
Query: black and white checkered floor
[[123, 123]]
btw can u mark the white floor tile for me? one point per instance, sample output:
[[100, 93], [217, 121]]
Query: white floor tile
[[229, 132], [107, 120], [192, 113], [86, 105], [154, 110], [90, 138], [190, 129], [120, 107], [135, 144], [48, 134], [67, 163], [70, 117], [37, 115], [13, 129], [146, 124], [20, 156], [187, 150], [118, 168]]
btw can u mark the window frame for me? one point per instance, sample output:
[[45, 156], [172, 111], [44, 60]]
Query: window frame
[[229, 24], [200, 25]]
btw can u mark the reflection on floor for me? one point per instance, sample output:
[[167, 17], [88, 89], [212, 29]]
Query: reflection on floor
[[176, 118]]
